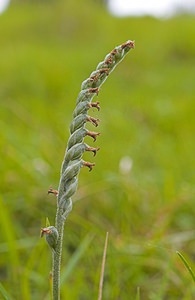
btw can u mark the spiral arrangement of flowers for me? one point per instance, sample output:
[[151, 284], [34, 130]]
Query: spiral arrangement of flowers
[[76, 146]]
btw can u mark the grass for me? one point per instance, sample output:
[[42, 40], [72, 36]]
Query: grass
[[147, 113], [186, 265]]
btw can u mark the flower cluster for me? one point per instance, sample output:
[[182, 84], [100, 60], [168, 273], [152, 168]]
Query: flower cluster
[[76, 146]]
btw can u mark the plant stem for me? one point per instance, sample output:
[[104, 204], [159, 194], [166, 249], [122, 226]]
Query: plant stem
[[58, 254]]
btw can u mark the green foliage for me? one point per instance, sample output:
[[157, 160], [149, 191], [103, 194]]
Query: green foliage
[[186, 265], [4, 293], [147, 114]]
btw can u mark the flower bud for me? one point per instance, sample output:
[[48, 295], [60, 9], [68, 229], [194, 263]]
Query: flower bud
[[76, 152], [77, 137], [51, 236], [71, 171], [71, 188], [78, 122], [81, 108], [85, 95]]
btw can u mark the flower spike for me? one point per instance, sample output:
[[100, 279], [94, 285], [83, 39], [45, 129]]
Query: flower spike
[[76, 146]]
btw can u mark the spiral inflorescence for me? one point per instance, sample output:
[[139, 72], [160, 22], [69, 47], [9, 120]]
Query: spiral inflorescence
[[73, 161], [76, 147]]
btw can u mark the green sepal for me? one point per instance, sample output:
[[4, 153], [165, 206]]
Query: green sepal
[[51, 236], [102, 65], [85, 95], [99, 74], [81, 108], [47, 222], [78, 122], [77, 137], [95, 80], [71, 189], [71, 171], [88, 83], [67, 207], [76, 152]]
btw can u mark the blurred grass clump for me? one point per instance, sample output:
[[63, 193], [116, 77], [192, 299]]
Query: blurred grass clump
[[147, 111]]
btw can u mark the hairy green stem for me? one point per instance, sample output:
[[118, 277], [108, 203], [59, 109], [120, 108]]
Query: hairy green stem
[[57, 254], [72, 162]]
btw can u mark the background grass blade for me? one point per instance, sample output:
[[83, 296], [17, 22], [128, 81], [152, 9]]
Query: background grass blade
[[186, 265], [103, 268], [138, 294], [4, 293]]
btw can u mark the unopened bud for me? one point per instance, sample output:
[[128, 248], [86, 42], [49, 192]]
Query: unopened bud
[[51, 236]]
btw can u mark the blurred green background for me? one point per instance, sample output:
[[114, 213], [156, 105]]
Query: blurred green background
[[147, 115]]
